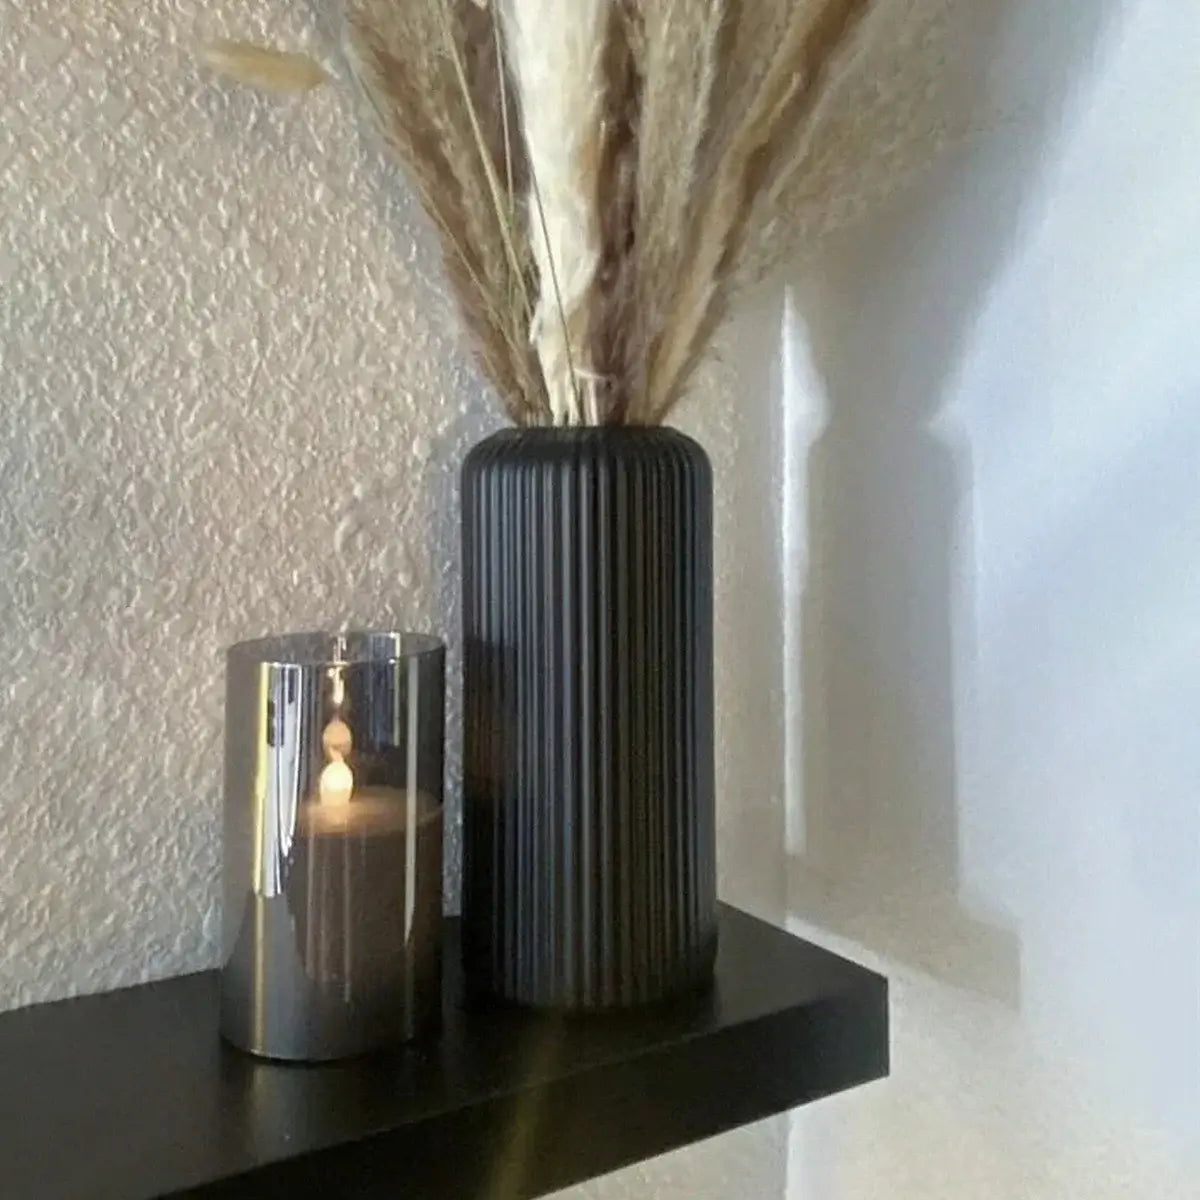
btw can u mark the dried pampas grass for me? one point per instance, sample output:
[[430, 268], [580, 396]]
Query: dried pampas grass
[[682, 40], [606, 176], [461, 167], [778, 116], [894, 109], [557, 50]]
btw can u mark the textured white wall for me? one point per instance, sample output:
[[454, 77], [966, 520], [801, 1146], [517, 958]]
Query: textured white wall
[[231, 402], [996, 571]]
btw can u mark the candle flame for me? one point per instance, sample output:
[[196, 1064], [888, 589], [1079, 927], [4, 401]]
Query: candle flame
[[336, 785]]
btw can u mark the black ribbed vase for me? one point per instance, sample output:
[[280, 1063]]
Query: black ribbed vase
[[589, 877]]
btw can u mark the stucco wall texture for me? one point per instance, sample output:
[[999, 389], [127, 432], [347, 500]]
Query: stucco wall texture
[[232, 400], [231, 403]]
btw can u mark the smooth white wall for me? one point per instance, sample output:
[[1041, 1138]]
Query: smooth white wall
[[996, 767]]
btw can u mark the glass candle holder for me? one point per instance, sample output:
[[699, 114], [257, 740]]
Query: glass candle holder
[[333, 842]]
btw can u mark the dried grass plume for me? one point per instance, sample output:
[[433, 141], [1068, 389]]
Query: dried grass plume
[[607, 176]]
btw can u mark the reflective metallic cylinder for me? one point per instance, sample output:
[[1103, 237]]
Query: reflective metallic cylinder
[[333, 842]]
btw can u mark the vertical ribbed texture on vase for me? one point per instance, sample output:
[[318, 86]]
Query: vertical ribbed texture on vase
[[589, 875]]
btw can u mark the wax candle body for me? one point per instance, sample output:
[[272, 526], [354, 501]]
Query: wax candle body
[[353, 950], [361, 929]]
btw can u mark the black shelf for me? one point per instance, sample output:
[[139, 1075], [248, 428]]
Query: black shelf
[[130, 1095]]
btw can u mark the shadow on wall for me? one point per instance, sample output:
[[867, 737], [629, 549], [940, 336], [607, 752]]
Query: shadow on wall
[[471, 424], [886, 654], [736, 419]]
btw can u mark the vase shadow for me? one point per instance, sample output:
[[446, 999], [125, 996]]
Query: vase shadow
[[886, 642], [750, 728], [442, 517], [885, 648]]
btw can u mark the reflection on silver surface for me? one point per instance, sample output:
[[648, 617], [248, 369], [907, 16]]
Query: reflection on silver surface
[[333, 842]]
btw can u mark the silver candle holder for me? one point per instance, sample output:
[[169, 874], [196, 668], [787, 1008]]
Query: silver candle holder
[[333, 842]]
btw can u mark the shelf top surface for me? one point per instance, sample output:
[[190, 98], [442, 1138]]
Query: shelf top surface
[[131, 1094]]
